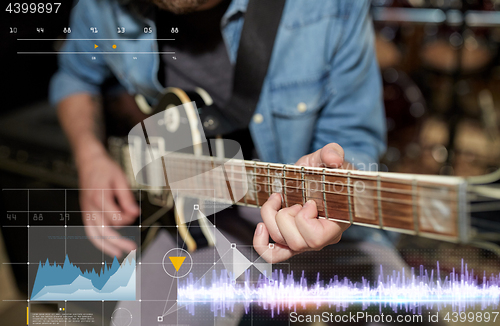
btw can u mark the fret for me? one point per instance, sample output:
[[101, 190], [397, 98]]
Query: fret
[[262, 183], [255, 178], [293, 185], [364, 200], [210, 184], [336, 195], [189, 173], [414, 206], [349, 190], [397, 213], [244, 178], [227, 185], [203, 176], [303, 185], [284, 186], [250, 196], [221, 178], [276, 181], [379, 200], [199, 177], [238, 181], [210, 187], [224, 183], [324, 193], [313, 188], [268, 181]]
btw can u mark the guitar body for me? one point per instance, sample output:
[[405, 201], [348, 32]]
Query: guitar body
[[173, 126]]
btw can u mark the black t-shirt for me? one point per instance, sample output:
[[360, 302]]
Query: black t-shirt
[[201, 59], [201, 55]]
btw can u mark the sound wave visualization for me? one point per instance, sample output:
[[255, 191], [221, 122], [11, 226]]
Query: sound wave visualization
[[399, 291]]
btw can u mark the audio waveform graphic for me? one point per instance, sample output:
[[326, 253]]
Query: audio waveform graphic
[[68, 282], [399, 291]]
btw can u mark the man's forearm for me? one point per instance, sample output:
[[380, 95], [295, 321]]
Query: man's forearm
[[81, 118]]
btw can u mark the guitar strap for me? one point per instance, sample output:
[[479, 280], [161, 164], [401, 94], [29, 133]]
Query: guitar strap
[[260, 27]]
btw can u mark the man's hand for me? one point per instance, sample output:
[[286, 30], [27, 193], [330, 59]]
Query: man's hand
[[100, 178], [105, 189], [297, 229]]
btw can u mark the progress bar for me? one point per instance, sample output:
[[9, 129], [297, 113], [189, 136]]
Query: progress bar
[[95, 39], [96, 52]]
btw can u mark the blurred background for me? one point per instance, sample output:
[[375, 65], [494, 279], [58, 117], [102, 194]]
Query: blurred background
[[440, 64]]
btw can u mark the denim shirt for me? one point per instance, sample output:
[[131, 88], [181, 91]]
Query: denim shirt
[[323, 84]]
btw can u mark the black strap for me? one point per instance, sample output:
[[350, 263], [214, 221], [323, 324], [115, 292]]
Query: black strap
[[262, 20]]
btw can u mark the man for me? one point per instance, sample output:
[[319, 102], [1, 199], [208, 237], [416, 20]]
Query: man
[[321, 95]]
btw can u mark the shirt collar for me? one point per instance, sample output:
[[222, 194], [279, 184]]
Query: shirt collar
[[236, 6]]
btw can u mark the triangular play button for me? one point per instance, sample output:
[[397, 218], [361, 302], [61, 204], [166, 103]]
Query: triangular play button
[[177, 261], [96, 46]]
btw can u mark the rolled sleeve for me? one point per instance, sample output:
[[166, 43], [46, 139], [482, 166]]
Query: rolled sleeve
[[78, 73], [354, 117], [64, 84]]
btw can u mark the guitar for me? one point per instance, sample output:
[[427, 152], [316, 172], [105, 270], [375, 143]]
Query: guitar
[[439, 207]]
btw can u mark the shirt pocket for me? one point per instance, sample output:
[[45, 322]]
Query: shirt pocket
[[301, 13], [300, 98]]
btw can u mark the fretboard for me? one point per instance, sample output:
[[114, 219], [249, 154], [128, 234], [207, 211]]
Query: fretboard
[[429, 206]]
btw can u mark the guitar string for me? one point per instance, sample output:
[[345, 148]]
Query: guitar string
[[181, 162], [316, 190], [334, 184], [320, 194], [358, 220], [326, 172], [221, 181]]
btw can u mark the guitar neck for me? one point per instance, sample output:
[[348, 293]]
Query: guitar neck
[[429, 206]]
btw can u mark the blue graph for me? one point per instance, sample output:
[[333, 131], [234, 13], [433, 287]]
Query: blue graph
[[69, 282]]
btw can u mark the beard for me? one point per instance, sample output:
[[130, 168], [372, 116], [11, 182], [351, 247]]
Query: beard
[[179, 6]]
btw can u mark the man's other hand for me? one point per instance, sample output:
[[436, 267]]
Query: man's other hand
[[107, 204]]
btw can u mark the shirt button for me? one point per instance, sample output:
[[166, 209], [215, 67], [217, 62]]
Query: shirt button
[[302, 107], [258, 118]]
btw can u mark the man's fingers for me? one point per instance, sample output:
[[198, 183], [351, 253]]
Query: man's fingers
[[330, 156], [286, 223], [116, 240], [125, 199], [113, 213], [309, 227], [316, 232], [95, 236], [268, 213], [261, 244], [105, 238]]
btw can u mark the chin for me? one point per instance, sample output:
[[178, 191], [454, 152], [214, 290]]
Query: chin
[[179, 6]]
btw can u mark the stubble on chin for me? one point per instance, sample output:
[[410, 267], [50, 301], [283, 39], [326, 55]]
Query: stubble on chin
[[179, 6]]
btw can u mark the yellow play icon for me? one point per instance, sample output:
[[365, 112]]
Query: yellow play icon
[[96, 46], [177, 261]]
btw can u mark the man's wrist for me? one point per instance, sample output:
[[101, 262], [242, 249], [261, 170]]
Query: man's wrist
[[88, 149]]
